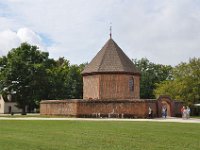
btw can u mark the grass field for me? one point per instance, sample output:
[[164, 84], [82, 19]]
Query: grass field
[[87, 135]]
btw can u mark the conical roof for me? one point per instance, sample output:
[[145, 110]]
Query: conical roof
[[110, 59]]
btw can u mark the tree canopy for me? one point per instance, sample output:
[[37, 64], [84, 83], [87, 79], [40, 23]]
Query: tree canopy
[[151, 74], [23, 74], [184, 84], [29, 75]]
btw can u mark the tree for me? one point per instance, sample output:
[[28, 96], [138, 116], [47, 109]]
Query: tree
[[185, 82], [75, 82], [29, 76], [23, 75], [65, 80], [150, 75], [57, 79], [3, 62]]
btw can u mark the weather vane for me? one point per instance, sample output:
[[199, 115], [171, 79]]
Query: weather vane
[[110, 30]]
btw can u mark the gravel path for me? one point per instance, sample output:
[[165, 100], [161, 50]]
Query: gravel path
[[171, 119]]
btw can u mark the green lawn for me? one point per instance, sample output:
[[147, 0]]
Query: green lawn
[[82, 135]]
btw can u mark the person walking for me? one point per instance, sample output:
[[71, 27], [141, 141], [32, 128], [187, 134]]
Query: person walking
[[182, 111], [165, 112], [188, 112], [150, 112]]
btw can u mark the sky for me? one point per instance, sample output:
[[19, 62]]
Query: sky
[[163, 31]]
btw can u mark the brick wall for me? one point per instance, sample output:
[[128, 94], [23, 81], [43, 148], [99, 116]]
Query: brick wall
[[177, 108], [93, 108], [58, 107], [110, 86], [173, 107], [136, 86], [108, 108], [91, 87]]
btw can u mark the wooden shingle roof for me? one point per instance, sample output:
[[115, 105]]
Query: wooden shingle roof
[[110, 59]]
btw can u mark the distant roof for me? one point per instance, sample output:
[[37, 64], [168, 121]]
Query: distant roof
[[110, 59]]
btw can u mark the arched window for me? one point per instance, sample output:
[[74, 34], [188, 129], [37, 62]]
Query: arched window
[[131, 84]]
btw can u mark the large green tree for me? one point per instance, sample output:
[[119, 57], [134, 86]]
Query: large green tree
[[151, 74], [65, 80], [57, 76], [184, 84], [23, 75], [28, 75], [75, 82]]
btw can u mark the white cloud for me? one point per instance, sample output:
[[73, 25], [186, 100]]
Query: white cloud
[[163, 31], [8, 40], [11, 39], [29, 36]]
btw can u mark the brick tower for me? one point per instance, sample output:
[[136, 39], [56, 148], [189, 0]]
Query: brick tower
[[111, 75]]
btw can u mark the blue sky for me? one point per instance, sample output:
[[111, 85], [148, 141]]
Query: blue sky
[[164, 31]]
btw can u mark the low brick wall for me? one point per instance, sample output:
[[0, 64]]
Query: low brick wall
[[58, 107], [112, 108], [177, 108], [130, 108], [98, 108]]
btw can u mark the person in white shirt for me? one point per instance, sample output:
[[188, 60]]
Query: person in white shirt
[[188, 112]]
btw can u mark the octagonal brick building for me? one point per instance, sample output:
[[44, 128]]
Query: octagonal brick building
[[111, 88], [111, 75]]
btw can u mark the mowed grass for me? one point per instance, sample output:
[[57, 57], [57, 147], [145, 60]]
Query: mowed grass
[[88, 135]]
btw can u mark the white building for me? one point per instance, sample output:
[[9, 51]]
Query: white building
[[7, 107]]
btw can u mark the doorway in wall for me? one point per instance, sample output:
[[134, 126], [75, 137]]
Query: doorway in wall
[[167, 105]]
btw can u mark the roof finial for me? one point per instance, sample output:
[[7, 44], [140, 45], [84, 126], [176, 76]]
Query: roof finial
[[110, 30]]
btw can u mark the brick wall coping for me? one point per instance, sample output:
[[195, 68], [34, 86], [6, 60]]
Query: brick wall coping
[[97, 101]]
